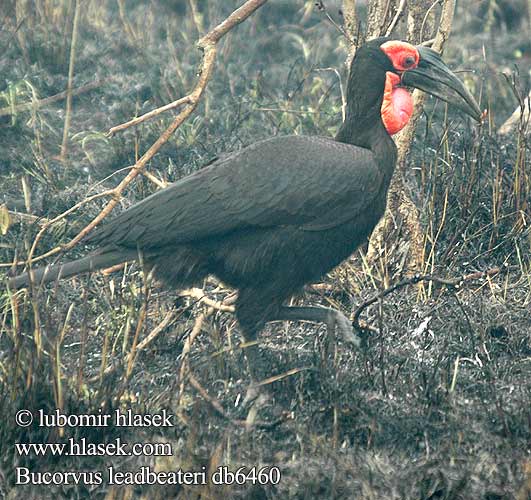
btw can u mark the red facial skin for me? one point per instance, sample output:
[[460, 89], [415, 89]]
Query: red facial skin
[[397, 105]]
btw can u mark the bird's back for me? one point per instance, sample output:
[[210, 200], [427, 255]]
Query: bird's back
[[313, 183], [285, 210]]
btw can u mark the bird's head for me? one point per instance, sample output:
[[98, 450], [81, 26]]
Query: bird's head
[[405, 65]]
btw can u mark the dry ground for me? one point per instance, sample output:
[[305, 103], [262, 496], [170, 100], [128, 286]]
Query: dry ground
[[436, 404]]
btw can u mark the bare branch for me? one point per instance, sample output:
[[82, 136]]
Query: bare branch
[[208, 45], [39, 103], [398, 15], [151, 114], [351, 24], [445, 25], [455, 283], [68, 111]]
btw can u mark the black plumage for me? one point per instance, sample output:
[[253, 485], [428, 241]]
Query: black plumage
[[268, 219]]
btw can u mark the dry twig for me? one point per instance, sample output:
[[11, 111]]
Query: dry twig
[[219, 409], [454, 283], [398, 15], [68, 111], [208, 45], [39, 103], [199, 294]]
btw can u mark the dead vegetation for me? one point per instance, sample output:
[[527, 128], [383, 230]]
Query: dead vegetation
[[437, 402]]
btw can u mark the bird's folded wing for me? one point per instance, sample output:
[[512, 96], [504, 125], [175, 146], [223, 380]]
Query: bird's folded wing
[[309, 182]]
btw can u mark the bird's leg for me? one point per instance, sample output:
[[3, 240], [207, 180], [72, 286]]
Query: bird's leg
[[255, 394], [330, 317], [249, 328], [252, 357], [253, 311]]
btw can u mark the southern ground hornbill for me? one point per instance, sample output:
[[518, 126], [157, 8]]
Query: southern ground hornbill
[[284, 211]]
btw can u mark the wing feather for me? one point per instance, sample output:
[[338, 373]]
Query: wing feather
[[311, 182]]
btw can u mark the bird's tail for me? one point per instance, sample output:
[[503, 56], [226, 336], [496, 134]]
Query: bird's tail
[[52, 272]]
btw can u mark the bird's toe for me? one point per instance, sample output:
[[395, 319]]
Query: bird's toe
[[256, 399], [344, 326], [254, 393]]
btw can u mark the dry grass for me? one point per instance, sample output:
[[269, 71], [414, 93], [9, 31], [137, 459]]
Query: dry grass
[[437, 403]]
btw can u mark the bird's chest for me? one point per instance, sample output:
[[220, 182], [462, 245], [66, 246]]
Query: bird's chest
[[323, 250]]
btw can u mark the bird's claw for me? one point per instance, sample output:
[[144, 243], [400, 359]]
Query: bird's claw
[[344, 327], [252, 394], [255, 400]]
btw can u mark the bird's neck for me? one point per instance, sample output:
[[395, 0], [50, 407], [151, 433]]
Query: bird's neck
[[363, 128], [363, 125]]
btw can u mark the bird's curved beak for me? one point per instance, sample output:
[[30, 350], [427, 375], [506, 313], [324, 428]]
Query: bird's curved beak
[[433, 76]]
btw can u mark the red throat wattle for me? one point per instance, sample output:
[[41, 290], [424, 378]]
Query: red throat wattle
[[397, 105]]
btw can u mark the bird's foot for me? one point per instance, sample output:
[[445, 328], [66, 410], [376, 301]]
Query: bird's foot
[[338, 320], [255, 400], [255, 392]]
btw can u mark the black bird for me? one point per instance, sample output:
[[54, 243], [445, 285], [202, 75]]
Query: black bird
[[284, 211]]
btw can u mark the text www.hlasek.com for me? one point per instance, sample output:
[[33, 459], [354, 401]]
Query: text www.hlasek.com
[[144, 475], [83, 448]]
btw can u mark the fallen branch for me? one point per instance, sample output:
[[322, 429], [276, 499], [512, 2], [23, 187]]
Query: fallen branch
[[170, 315], [220, 410], [454, 283], [168, 318]]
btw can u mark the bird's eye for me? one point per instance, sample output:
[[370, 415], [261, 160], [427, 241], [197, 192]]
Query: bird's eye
[[408, 61]]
